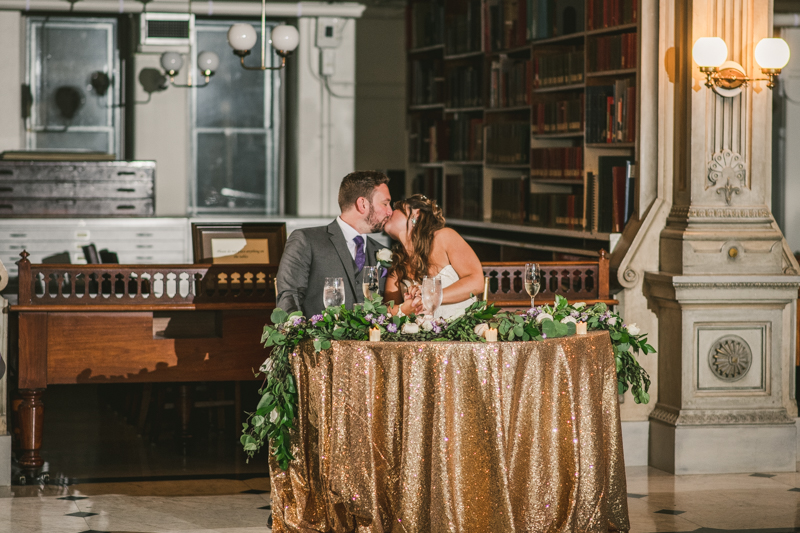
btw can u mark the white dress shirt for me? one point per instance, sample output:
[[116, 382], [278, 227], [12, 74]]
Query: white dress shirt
[[349, 234]]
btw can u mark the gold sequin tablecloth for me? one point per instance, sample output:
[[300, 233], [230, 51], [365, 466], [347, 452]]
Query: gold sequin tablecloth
[[455, 437]]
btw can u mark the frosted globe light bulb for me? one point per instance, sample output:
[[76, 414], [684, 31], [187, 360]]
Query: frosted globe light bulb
[[772, 54], [171, 61], [285, 38], [242, 37], [710, 52], [208, 62]]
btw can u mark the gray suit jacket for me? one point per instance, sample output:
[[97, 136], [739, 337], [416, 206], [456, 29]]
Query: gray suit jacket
[[310, 256]]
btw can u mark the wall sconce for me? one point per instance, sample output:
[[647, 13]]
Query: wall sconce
[[727, 77], [242, 37], [207, 62]]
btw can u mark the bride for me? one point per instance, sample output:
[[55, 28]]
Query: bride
[[425, 247]]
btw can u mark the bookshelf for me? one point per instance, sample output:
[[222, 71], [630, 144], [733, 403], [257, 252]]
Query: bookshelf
[[522, 121]]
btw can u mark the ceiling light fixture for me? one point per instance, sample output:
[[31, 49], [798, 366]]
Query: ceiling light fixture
[[242, 37]]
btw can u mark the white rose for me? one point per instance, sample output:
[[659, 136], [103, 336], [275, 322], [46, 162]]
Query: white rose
[[384, 254], [409, 328], [289, 323], [612, 321], [274, 416], [567, 319], [578, 306], [427, 325], [633, 330], [267, 366], [542, 317], [480, 329]]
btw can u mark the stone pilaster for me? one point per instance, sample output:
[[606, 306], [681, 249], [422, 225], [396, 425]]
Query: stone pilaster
[[725, 293]]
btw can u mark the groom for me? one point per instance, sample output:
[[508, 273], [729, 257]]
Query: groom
[[341, 249]]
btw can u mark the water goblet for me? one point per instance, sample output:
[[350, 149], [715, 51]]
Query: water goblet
[[333, 292]]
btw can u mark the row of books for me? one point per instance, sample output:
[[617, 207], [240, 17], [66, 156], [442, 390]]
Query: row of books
[[612, 52], [463, 28], [508, 143], [506, 24], [610, 13], [464, 194], [425, 85], [563, 68], [557, 163], [510, 83], [464, 87], [426, 26], [456, 139], [465, 135], [428, 181], [611, 112], [604, 204], [553, 18], [559, 116]]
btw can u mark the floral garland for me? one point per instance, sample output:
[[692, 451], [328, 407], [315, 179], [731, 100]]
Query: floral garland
[[275, 414]]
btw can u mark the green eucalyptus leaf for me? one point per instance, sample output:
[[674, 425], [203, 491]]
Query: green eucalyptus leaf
[[279, 316]]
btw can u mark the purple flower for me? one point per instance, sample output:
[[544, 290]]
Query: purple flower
[[544, 336], [381, 319], [437, 329], [368, 316], [391, 328], [297, 321], [315, 319]]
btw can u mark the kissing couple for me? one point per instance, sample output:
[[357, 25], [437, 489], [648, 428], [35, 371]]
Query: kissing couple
[[423, 247]]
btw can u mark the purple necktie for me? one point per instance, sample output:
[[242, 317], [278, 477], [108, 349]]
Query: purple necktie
[[361, 256]]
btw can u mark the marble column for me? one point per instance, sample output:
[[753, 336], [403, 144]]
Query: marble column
[[726, 289]]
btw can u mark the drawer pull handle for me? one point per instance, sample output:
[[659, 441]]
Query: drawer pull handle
[[126, 207], [123, 189], [6, 189], [19, 235], [126, 173], [6, 172], [6, 206], [144, 234]]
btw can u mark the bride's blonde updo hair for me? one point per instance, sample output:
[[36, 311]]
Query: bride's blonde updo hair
[[421, 232]]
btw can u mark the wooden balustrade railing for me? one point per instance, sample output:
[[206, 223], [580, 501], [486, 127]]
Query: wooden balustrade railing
[[107, 286], [578, 281]]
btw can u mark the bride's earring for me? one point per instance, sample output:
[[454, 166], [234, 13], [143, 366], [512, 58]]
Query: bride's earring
[[413, 221]]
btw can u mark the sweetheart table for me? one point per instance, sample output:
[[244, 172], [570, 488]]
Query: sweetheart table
[[456, 437]]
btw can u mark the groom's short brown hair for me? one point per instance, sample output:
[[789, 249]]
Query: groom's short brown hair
[[358, 184]]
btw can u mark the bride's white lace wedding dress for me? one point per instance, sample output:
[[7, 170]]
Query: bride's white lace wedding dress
[[449, 276]]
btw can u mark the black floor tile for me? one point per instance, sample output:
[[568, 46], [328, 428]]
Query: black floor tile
[[267, 507], [762, 475], [81, 514], [637, 496], [73, 498], [254, 491], [670, 511]]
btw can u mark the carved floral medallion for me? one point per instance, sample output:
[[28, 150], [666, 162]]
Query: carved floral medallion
[[730, 358]]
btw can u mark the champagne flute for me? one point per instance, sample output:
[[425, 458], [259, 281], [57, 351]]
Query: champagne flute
[[333, 292], [532, 280], [371, 281], [432, 294]]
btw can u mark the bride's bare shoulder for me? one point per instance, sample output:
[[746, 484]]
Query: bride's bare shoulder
[[447, 236]]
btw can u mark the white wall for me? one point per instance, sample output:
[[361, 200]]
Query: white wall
[[789, 84], [381, 90], [10, 80]]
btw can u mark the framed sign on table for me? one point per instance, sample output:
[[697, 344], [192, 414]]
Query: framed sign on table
[[254, 243]]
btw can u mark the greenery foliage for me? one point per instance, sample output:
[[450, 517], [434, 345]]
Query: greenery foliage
[[274, 417]]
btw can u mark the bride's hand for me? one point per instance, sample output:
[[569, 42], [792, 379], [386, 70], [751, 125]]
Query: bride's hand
[[414, 291], [416, 305]]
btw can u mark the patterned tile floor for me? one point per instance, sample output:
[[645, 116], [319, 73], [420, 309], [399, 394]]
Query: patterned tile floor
[[104, 478]]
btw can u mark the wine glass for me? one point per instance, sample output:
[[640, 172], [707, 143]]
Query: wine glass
[[333, 292], [432, 294], [532, 280], [371, 281]]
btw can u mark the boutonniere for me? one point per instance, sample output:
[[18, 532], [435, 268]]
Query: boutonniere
[[384, 257]]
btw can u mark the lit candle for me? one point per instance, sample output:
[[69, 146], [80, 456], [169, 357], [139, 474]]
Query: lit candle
[[491, 335], [375, 335], [580, 328]]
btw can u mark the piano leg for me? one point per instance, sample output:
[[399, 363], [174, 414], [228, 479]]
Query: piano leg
[[31, 424]]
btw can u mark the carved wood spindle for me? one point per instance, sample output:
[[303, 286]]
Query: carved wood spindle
[[25, 281], [602, 276], [59, 281], [31, 420]]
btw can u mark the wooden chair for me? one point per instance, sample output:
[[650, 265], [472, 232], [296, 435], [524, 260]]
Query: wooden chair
[[577, 281]]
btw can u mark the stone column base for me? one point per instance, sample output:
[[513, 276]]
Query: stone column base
[[723, 449]]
